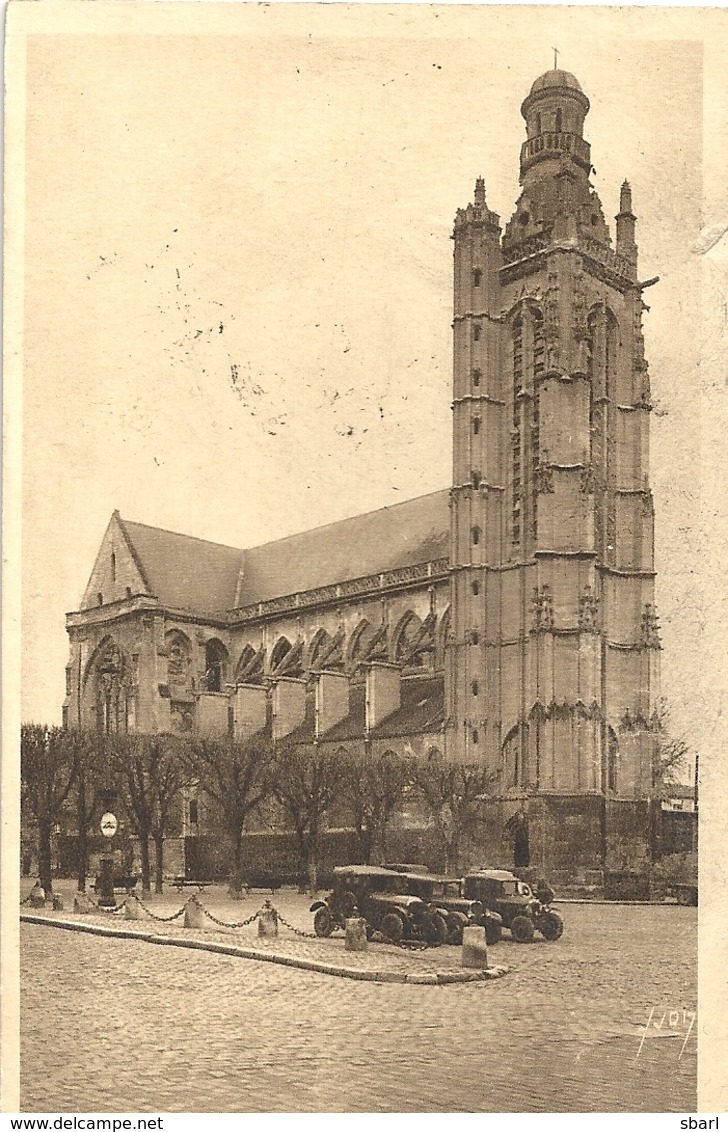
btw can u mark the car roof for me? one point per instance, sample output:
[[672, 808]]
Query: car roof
[[428, 876], [362, 871], [405, 867], [494, 874]]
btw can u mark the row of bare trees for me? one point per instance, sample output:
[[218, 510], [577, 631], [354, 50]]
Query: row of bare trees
[[70, 777]]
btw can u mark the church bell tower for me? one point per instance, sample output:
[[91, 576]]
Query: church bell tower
[[553, 657]]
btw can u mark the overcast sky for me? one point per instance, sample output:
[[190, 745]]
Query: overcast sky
[[238, 270]]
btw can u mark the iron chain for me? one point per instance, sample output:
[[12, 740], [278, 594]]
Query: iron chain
[[161, 919], [237, 924], [296, 931]]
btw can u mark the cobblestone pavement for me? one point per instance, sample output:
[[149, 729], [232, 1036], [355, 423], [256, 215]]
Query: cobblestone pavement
[[120, 1025]]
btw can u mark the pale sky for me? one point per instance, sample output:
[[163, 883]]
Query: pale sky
[[238, 271]]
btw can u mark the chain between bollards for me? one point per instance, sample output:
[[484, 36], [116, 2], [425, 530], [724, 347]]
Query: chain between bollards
[[236, 924], [296, 931], [161, 919]]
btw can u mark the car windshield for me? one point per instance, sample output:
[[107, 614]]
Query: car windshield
[[510, 887]]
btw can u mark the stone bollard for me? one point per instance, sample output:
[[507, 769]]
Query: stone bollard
[[82, 906], [194, 917], [57, 902], [356, 934], [474, 952], [268, 921], [132, 908]]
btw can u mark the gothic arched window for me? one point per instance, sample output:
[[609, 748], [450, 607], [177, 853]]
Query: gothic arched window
[[215, 659], [113, 689]]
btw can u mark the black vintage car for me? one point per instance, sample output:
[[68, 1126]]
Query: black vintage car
[[378, 896], [447, 895], [522, 912]]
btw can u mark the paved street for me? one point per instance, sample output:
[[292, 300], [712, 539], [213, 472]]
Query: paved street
[[116, 1025]]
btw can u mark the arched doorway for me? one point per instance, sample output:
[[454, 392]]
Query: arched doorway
[[517, 828]]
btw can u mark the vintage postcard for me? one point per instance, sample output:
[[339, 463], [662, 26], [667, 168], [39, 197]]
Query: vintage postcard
[[364, 609]]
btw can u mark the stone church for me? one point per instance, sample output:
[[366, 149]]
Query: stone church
[[509, 620]]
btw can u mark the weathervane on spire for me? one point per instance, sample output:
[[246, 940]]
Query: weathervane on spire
[[556, 57]]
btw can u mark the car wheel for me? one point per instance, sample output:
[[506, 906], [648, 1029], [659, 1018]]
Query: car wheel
[[323, 923], [436, 929], [552, 927], [493, 933], [522, 929], [393, 927]]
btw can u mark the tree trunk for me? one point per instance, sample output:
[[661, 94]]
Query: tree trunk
[[44, 856], [303, 856], [366, 843], [146, 870], [236, 877], [82, 825], [379, 840], [158, 861], [312, 870]]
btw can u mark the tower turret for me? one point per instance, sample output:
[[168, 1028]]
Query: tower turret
[[626, 221]]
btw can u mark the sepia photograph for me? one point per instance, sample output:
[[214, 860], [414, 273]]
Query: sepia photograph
[[363, 610]]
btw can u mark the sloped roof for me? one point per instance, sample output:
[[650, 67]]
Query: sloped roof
[[186, 572], [422, 708], [193, 574], [404, 535], [353, 725]]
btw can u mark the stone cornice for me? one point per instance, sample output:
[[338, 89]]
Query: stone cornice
[[625, 573], [139, 606], [601, 261], [371, 585], [477, 397], [468, 315]]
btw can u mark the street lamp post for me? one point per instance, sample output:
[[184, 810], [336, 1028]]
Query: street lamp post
[[109, 826]]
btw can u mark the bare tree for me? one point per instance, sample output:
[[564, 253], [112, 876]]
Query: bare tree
[[131, 757], [48, 770], [672, 753], [150, 774], [451, 793], [169, 775], [307, 782], [93, 781], [374, 787], [233, 774]]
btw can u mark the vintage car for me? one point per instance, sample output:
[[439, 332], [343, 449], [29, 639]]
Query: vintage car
[[446, 893], [378, 896], [502, 892]]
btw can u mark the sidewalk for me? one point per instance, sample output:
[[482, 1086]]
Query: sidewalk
[[232, 929]]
